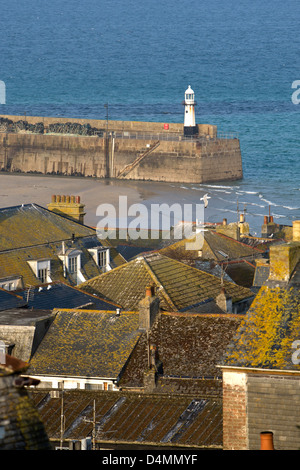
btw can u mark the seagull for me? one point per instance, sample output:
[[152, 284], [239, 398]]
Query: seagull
[[205, 199]]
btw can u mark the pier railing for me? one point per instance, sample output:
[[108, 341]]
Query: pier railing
[[169, 136]]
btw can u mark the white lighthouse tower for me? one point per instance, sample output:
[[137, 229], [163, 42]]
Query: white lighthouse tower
[[190, 127]]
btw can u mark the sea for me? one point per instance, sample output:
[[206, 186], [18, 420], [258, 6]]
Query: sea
[[134, 59]]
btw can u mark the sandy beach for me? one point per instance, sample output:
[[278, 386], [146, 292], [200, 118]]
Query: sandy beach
[[17, 189]]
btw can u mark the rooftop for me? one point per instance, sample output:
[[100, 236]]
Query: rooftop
[[132, 420], [180, 287], [31, 232], [86, 343]]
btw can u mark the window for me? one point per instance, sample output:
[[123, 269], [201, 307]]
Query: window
[[71, 260], [42, 275], [102, 258], [41, 269], [72, 264]]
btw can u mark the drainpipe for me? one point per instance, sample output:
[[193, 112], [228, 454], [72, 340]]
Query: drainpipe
[[266, 440]]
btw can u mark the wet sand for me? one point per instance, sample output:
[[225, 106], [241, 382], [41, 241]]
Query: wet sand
[[17, 189]]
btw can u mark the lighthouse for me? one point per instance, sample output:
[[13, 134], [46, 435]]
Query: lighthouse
[[190, 127]]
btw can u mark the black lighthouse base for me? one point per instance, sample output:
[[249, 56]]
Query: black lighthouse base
[[190, 131]]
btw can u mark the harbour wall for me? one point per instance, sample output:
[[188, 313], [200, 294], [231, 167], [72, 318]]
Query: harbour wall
[[122, 149]]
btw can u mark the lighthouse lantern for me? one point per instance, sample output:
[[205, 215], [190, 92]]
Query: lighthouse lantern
[[190, 127]]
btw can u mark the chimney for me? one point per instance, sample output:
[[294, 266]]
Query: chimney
[[231, 230], [268, 228], [224, 301], [296, 231], [243, 225], [150, 375], [284, 258], [148, 309], [68, 206]]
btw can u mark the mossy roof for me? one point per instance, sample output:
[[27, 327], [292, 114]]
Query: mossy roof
[[31, 224], [84, 343], [189, 346], [31, 232], [134, 419], [216, 246], [179, 286], [266, 336], [10, 300]]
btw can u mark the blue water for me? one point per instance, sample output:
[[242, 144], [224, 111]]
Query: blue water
[[241, 57]]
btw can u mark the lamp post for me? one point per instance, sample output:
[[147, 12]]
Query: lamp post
[[106, 106], [106, 142]]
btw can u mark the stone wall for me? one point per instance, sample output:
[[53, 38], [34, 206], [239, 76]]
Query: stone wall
[[258, 402], [121, 126], [207, 160]]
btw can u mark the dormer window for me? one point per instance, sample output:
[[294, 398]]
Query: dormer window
[[11, 283], [71, 259], [41, 269], [73, 264], [101, 257]]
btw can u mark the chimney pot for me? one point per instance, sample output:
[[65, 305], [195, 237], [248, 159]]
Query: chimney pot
[[72, 199], [148, 291], [77, 199], [265, 219], [224, 221], [53, 198], [266, 440]]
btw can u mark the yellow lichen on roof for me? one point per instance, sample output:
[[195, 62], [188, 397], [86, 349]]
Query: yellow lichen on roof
[[266, 335]]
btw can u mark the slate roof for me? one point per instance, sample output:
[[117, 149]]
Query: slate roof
[[189, 348], [130, 251], [23, 317], [31, 224], [86, 343], [132, 420], [10, 300], [261, 274], [61, 295], [31, 232], [216, 246], [179, 286]]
